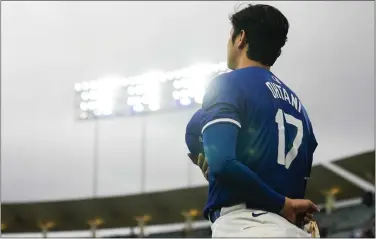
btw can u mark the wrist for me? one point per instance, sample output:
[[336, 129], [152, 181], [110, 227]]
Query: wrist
[[277, 202], [286, 205]]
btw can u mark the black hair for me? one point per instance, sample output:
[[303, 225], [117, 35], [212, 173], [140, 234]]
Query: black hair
[[265, 30]]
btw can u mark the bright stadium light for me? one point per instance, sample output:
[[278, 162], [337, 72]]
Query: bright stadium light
[[134, 100], [92, 105], [105, 101], [185, 101], [152, 95], [92, 95], [184, 93], [147, 92], [93, 85], [198, 94], [85, 95], [139, 89], [83, 106], [176, 95], [197, 86], [104, 94], [143, 92], [105, 107], [131, 90], [145, 100], [77, 87], [176, 84], [85, 86], [84, 115], [138, 108], [154, 106]]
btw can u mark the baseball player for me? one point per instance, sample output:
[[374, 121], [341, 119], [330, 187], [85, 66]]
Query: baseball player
[[257, 138]]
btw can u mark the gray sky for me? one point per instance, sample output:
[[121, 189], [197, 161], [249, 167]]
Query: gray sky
[[48, 46]]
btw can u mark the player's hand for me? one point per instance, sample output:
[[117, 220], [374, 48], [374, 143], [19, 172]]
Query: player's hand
[[303, 219], [295, 207], [201, 162]]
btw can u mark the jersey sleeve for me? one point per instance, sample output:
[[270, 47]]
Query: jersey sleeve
[[193, 137], [222, 102]]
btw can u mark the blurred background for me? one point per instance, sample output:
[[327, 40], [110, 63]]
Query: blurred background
[[95, 97]]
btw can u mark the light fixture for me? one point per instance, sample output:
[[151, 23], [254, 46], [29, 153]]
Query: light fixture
[[138, 108], [92, 95], [85, 95], [134, 100], [154, 106], [92, 105], [185, 101], [115, 95], [176, 94], [83, 115], [77, 87], [85, 86], [83, 106]]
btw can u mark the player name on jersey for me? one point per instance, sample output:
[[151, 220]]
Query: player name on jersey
[[279, 92]]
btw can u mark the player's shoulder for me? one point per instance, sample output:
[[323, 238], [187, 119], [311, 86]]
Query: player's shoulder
[[223, 87], [224, 84], [222, 80]]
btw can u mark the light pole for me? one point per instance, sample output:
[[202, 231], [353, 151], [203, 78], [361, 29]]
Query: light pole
[[95, 158], [143, 153]]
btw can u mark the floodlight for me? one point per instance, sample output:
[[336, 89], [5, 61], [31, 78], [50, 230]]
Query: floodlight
[[84, 115], [77, 87], [154, 106], [85, 85], [138, 107], [85, 95], [83, 106], [185, 101]]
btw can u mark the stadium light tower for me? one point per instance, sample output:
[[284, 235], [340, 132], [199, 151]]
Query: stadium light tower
[[149, 92]]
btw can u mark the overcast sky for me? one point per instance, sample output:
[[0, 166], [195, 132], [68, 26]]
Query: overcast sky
[[48, 46]]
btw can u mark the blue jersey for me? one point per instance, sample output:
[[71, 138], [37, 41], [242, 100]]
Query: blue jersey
[[193, 136], [275, 138]]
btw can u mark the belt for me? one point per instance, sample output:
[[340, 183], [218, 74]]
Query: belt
[[214, 215]]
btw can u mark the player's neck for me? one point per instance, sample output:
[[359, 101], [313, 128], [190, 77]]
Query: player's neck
[[243, 63]]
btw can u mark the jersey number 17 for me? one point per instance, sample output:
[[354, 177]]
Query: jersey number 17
[[291, 155]]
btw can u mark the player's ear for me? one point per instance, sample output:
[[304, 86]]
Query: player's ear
[[241, 41]]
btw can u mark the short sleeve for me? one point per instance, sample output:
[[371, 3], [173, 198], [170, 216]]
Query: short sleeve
[[193, 137], [222, 102]]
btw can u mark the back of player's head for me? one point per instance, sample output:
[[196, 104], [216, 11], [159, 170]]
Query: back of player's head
[[265, 30]]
